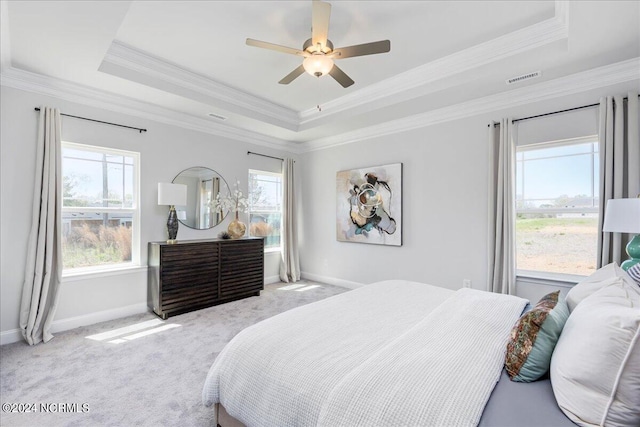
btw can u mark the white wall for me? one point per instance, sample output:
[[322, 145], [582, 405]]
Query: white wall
[[164, 151], [444, 201], [445, 211], [444, 207]]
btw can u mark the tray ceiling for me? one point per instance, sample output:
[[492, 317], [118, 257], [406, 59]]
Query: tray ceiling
[[190, 57]]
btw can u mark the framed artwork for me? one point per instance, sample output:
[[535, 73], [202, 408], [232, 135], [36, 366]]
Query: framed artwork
[[369, 205]]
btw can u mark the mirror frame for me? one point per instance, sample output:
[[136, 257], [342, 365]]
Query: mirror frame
[[224, 187]]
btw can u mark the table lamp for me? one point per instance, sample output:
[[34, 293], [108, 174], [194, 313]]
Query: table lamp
[[623, 216], [172, 195]]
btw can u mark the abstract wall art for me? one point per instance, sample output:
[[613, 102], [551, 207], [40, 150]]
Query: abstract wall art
[[369, 205]]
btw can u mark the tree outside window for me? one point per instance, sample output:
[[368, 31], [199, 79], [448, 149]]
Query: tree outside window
[[99, 207], [265, 207]]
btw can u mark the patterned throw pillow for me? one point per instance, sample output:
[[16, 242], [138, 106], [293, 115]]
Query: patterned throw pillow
[[634, 273], [534, 337]]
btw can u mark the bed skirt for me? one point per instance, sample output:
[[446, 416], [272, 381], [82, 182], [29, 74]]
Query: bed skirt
[[224, 419]]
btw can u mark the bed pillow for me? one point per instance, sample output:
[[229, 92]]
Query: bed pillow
[[595, 367], [608, 275], [534, 337]]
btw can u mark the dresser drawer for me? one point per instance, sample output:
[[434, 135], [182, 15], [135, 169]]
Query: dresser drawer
[[197, 274]]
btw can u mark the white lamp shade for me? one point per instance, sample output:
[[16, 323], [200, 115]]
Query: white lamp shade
[[317, 65], [172, 194], [622, 216]]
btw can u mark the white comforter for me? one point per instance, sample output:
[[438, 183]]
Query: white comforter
[[391, 353]]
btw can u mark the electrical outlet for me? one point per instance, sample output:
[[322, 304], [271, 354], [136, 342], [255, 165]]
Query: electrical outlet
[[466, 283]]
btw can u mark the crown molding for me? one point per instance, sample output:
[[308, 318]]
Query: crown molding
[[516, 42], [607, 75], [50, 86], [148, 70]]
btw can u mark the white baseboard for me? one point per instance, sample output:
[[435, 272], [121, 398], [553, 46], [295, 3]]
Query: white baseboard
[[15, 335], [10, 336], [271, 279], [331, 280], [100, 316]]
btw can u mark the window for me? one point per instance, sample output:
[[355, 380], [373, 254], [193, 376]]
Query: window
[[265, 207], [100, 217], [557, 206]]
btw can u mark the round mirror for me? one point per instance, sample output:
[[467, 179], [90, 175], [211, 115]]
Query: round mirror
[[203, 185]]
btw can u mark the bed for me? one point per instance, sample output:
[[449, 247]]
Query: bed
[[390, 353]]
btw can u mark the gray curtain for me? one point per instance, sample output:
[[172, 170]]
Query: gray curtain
[[289, 262], [43, 269], [502, 252], [619, 166]]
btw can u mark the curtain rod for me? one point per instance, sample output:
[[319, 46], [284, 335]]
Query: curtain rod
[[100, 121], [264, 155], [556, 112]]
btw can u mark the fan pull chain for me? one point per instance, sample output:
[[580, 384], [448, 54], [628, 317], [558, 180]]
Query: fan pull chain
[[318, 95]]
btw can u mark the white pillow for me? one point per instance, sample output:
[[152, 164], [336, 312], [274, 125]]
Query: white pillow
[[608, 275], [595, 367]]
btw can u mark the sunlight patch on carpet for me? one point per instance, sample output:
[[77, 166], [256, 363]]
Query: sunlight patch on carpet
[[298, 288], [130, 332], [307, 288], [150, 331], [290, 287]]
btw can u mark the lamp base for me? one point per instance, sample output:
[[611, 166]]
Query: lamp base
[[172, 225], [633, 250]]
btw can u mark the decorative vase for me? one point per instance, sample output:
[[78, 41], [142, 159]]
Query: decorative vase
[[236, 228]]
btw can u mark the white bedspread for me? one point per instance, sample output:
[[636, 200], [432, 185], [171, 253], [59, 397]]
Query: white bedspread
[[391, 353]]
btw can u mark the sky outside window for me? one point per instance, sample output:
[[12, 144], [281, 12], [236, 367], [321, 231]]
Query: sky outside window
[[545, 174]]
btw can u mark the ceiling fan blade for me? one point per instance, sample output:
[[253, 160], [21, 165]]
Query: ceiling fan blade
[[373, 48], [292, 76], [276, 47], [340, 76], [320, 15]]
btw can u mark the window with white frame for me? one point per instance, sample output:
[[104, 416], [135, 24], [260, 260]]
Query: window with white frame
[[557, 207], [265, 207], [100, 217]]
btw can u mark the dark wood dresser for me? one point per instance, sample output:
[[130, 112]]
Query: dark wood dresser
[[194, 274]]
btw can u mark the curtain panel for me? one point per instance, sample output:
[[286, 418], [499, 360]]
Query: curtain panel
[[289, 262], [43, 270], [502, 251], [619, 166]]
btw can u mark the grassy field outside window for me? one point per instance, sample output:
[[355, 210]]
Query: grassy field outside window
[[558, 245], [91, 243]]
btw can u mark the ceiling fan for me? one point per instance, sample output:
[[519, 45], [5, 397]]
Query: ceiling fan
[[318, 51]]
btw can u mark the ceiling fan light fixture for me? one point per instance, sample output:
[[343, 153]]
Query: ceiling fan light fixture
[[317, 65], [318, 50]]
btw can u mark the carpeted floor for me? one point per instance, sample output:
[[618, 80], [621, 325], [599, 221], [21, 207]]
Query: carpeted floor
[[134, 378]]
